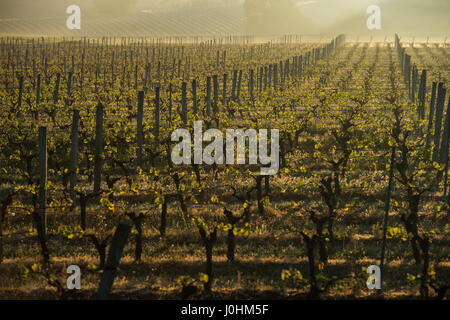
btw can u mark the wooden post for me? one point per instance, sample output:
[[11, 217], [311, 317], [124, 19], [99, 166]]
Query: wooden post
[[224, 91], [173, 69], [194, 96], [147, 75], [39, 215], [115, 254], [140, 133], [431, 114], [156, 133], [56, 92], [250, 83], [386, 212], [413, 87], [208, 96], [422, 93], [267, 72], [136, 77], [19, 100], [45, 68], [261, 76], [438, 121], [65, 67], [43, 177], [285, 72], [233, 85], [170, 103], [69, 85], [407, 72], [444, 144], [74, 157], [258, 79], [216, 94], [159, 73], [281, 73], [239, 85], [98, 148], [184, 103], [444, 152], [82, 74], [217, 60], [294, 67], [224, 56], [38, 97], [275, 76], [300, 66], [112, 70]]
